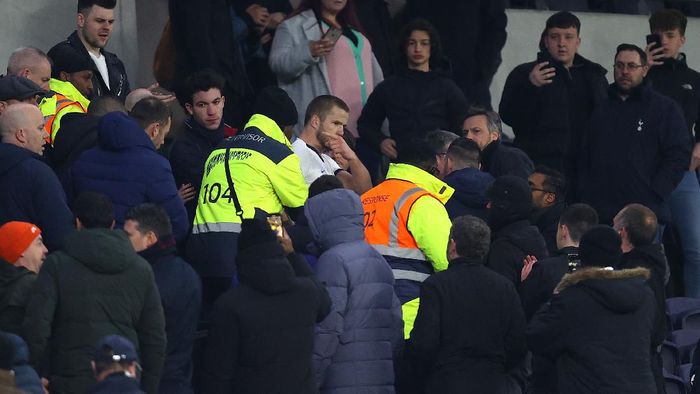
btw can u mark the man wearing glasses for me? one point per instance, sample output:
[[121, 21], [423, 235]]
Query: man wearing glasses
[[638, 145]]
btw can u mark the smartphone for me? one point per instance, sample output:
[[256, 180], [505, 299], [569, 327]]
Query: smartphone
[[654, 39], [332, 35], [275, 222]]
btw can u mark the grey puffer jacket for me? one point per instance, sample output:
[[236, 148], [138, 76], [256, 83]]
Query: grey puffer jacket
[[354, 345]]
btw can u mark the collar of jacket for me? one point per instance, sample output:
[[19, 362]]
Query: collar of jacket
[[637, 92], [67, 89], [214, 137], [164, 247], [488, 153], [423, 179], [579, 62], [679, 62], [269, 127], [464, 261], [599, 273]]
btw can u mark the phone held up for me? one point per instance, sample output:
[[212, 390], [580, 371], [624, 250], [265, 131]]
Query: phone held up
[[332, 35], [654, 39]]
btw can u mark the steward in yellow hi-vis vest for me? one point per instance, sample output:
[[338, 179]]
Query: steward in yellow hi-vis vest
[[67, 99], [265, 173], [406, 221]]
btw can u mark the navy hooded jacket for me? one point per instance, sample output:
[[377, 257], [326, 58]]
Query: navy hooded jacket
[[32, 193], [126, 167], [470, 186]]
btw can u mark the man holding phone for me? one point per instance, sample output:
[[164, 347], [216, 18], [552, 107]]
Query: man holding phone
[[548, 102], [671, 76]]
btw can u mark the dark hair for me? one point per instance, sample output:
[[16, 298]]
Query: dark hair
[[436, 55], [437, 139], [465, 152], [472, 237], [150, 217], [346, 17], [670, 19], [94, 210], [639, 222], [578, 218], [85, 4], [321, 105], [200, 81], [632, 48], [493, 119], [324, 183], [554, 181], [104, 105], [415, 151], [150, 110], [563, 20]]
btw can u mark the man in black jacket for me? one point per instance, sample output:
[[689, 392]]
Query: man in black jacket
[[96, 286], [638, 145], [94, 28], [150, 233], [262, 331], [548, 102], [470, 327], [509, 206], [636, 225], [202, 97], [420, 98], [671, 76], [598, 326], [497, 158]]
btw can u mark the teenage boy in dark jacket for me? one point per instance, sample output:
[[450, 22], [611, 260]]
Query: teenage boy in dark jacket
[[598, 326], [96, 286], [150, 233], [638, 147], [548, 102], [470, 329], [262, 331], [418, 99], [671, 76]]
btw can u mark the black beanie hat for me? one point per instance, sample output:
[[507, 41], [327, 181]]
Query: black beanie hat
[[275, 103], [68, 59], [600, 246], [255, 232]]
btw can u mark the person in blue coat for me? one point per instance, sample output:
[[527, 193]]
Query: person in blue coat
[[126, 167], [354, 345], [150, 233], [26, 378]]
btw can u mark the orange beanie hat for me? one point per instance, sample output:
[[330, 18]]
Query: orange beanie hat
[[15, 238]]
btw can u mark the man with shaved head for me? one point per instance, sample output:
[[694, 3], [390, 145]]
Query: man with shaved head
[[135, 96], [31, 63], [31, 191]]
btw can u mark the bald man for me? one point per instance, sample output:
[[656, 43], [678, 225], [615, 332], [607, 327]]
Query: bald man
[[31, 191], [135, 96], [31, 63]]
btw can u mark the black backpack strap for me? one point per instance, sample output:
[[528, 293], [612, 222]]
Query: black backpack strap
[[232, 191]]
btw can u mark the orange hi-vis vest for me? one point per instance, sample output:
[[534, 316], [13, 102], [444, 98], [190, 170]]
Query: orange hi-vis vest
[[387, 207], [61, 103]]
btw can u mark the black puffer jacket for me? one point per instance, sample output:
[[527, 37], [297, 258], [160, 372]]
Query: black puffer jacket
[[598, 330], [96, 286], [262, 332], [15, 287]]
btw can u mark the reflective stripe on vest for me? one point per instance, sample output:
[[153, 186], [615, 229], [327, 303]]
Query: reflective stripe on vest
[[216, 228], [410, 275], [61, 103], [392, 238]]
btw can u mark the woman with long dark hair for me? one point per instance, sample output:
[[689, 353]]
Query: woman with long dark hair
[[320, 50]]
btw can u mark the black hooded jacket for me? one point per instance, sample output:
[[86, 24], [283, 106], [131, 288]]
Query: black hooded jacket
[[598, 330], [15, 287], [262, 332], [511, 243], [78, 133], [500, 158], [32, 193]]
